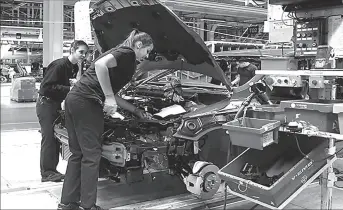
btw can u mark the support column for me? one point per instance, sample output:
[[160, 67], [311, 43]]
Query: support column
[[28, 51], [52, 31], [202, 30], [211, 33]]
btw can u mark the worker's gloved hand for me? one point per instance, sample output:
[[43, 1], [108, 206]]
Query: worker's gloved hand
[[142, 114], [72, 81], [63, 105], [110, 105]]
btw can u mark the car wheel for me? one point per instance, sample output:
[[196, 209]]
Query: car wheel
[[3, 79]]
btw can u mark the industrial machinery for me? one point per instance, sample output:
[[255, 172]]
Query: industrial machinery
[[286, 143], [6, 73], [291, 143]]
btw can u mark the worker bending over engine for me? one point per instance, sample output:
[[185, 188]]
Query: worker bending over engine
[[94, 93]]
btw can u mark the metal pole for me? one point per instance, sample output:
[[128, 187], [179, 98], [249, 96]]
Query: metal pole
[[244, 32], [327, 180], [333, 92]]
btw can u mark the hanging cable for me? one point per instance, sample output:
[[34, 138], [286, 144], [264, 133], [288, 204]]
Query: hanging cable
[[316, 161], [259, 5], [225, 192]]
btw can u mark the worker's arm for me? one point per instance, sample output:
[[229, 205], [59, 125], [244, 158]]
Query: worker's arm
[[246, 86], [125, 104], [101, 69], [236, 81], [131, 108]]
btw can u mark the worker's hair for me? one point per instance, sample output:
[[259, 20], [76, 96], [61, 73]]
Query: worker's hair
[[76, 44], [136, 36]]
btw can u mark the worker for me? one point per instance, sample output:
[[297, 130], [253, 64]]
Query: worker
[[245, 72], [226, 69], [53, 90], [94, 94]]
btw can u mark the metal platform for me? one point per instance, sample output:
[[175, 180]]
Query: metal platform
[[314, 72]]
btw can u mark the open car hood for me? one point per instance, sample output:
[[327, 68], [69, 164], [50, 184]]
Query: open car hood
[[176, 46]]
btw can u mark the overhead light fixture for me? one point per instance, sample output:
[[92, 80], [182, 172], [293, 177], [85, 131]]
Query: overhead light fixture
[[228, 26], [214, 20]]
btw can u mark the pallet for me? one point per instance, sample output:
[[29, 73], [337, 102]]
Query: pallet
[[23, 100]]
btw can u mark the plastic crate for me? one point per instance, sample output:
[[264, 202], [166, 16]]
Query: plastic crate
[[311, 111], [269, 112], [297, 170], [279, 63], [24, 95], [24, 83], [252, 132]]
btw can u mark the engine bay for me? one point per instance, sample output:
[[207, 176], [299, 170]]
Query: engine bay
[[170, 142]]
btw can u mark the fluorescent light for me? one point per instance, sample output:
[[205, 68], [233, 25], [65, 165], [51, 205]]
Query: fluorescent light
[[221, 21]]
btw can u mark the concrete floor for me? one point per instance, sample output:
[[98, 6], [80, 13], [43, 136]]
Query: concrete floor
[[21, 187], [16, 116]]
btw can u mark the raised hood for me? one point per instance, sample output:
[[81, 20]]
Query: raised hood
[[177, 46]]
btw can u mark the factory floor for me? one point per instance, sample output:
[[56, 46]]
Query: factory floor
[[21, 187]]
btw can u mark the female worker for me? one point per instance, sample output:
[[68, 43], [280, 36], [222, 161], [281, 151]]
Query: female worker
[[94, 93], [53, 90]]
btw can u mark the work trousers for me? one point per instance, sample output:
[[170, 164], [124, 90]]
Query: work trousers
[[47, 112], [85, 125]]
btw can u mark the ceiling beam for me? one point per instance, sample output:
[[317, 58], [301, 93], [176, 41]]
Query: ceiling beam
[[66, 2], [215, 8]]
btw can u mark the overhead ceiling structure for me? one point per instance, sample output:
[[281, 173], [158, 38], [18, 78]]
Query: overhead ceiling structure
[[221, 12], [231, 10], [66, 2]]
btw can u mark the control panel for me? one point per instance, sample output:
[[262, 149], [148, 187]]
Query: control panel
[[309, 34], [316, 82], [284, 81], [306, 63]]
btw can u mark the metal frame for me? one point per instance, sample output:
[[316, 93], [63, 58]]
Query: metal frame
[[314, 72], [285, 203], [328, 177], [29, 13]]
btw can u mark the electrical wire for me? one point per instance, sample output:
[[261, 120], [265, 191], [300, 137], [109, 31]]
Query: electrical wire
[[257, 4], [254, 206], [306, 156], [225, 195], [296, 139], [283, 12]]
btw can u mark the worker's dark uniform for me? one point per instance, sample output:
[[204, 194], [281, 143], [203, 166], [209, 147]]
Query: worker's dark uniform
[[223, 65], [53, 90], [85, 125], [246, 73]]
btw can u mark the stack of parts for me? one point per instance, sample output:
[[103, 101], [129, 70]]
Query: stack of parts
[[24, 89]]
